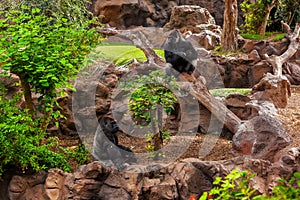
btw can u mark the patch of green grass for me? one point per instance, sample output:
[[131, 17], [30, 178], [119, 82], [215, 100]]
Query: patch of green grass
[[224, 92], [218, 52], [253, 36], [278, 37], [121, 54]]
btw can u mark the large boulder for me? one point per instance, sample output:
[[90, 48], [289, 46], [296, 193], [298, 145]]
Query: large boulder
[[189, 16], [131, 13], [292, 71], [261, 137], [196, 23], [274, 89]]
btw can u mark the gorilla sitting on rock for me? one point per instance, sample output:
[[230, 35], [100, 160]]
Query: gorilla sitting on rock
[[107, 148], [180, 53]]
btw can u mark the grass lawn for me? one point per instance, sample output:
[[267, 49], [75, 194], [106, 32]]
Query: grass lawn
[[121, 54], [224, 92]]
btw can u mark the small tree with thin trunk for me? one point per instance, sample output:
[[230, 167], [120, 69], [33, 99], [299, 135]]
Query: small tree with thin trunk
[[44, 52], [229, 33]]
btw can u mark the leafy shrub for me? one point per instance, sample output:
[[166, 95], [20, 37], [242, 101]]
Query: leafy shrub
[[286, 189], [23, 143], [235, 185], [73, 10], [45, 52], [149, 92]]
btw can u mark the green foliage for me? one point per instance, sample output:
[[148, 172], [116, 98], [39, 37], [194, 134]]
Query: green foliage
[[73, 10], [44, 52], [254, 14], [218, 52], [235, 185], [79, 154], [224, 92], [288, 11], [153, 91], [253, 36], [149, 92], [286, 189], [278, 37], [23, 143]]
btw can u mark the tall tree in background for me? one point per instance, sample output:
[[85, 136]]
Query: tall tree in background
[[257, 14], [229, 33], [288, 11]]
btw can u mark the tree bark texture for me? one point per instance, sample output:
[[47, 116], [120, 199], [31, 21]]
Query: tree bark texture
[[27, 95], [229, 33]]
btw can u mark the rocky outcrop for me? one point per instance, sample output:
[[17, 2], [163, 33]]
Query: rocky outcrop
[[274, 89], [261, 137], [195, 23], [130, 13], [179, 180], [247, 69]]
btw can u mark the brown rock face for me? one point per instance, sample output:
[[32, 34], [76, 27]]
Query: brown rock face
[[292, 71], [179, 180], [273, 89], [261, 137], [197, 24], [129, 13], [189, 16]]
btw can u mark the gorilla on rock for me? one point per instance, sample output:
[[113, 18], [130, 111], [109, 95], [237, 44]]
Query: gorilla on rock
[[180, 53]]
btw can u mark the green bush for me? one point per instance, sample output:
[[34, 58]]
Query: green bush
[[23, 144], [236, 185], [149, 92], [45, 52]]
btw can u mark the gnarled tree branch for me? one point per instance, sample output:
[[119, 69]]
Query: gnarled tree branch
[[278, 61]]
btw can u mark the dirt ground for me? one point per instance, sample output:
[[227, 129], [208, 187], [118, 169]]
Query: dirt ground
[[222, 150]]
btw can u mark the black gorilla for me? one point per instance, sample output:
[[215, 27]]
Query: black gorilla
[[180, 53], [106, 146]]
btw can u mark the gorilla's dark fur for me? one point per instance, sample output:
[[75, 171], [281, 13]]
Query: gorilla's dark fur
[[107, 147], [180, 53]]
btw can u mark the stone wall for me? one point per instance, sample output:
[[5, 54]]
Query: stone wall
[[176, 181]]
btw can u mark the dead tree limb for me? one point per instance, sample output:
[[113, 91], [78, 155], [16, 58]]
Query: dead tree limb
[[141, 42], [278, 61], [219, 110], [198, 90]]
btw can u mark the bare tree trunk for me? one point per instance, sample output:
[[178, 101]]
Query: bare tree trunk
[[27, 95], [229, 33], [262, 28], [278, 61]]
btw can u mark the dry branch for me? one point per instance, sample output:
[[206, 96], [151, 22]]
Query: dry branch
[[278, 61], [198, 90]]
